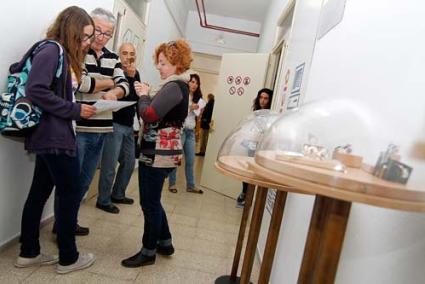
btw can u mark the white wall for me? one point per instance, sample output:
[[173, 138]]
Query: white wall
[[269, 27], [17, 166], [374, 56], [204, 40], [208, 67], [178, 11], [161, 28], [301, 42]]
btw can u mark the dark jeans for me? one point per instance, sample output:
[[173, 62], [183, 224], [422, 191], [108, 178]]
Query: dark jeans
[[63, 172], [156, 228]]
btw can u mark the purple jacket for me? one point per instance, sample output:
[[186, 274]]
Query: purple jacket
[[55, 133]]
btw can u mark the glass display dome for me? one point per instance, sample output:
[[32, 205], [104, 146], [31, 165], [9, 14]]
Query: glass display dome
[[243, 140], [340, 143]]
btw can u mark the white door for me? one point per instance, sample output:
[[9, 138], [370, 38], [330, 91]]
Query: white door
[[129, 28], [240, 78]]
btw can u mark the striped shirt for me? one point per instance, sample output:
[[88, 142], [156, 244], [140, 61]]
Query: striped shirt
[[107, 66]]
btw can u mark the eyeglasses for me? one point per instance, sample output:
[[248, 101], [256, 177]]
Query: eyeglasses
[[99, 33], [172, 43], [87, 37]]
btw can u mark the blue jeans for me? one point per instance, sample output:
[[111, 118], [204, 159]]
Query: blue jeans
[[63, 172], [118, 147], [156, 228], [188, 143], [89, 149]]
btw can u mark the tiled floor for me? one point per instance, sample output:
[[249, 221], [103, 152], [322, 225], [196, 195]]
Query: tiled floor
[[204, 229]]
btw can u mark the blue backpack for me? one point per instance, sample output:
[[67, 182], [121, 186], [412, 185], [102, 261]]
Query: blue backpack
[[18, 116]]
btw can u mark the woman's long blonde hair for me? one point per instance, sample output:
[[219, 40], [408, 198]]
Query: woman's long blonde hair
[[68, 31]]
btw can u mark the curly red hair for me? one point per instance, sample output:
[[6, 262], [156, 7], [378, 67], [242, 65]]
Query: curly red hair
[[178, 53]]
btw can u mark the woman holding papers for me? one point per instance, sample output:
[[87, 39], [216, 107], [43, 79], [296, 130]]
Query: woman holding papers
[[196, 106], [53, 141], [163, 111]]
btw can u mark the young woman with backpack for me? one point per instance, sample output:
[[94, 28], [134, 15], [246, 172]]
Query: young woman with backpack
[[53, 141]]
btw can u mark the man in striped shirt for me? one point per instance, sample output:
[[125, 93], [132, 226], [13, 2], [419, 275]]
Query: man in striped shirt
[[104, 79]]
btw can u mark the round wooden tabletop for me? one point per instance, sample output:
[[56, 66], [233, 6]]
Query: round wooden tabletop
[[355, 185], [240, 168]]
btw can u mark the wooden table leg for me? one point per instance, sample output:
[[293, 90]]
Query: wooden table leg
[[272, 237], [254, 231], [324, 240], [244, 220]]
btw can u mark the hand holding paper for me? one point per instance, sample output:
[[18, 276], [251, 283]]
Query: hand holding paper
[[201, 105], [108, 105]]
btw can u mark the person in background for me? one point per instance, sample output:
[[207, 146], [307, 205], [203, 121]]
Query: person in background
[[104, 79], [163, 112], [188, 136], [53, 141], [262, 101], [206, 124], [119, 145]]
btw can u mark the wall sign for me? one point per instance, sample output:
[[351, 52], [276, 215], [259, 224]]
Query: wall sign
[[246, 81], [230, 80], [285, 86], [294, 98], [238, 82]]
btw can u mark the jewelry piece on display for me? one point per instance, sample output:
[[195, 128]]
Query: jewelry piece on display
[[347, 149], [299, 158], [316, 152], [343, 154], [388, 166]]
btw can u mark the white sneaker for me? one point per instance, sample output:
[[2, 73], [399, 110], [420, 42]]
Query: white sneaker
[[41, 259], [83, 261]]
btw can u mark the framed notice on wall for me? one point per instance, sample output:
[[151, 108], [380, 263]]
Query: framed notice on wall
[[294, 97]]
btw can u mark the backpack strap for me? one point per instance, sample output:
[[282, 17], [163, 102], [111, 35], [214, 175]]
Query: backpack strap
[[61, 60], [61, 54]]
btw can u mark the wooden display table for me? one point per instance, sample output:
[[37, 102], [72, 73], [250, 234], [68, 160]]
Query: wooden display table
[[355, 185], [335, 191], [239, 168]]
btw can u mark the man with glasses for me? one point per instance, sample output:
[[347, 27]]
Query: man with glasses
[[104, 79]]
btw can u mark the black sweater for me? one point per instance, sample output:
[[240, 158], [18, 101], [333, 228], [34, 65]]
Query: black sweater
[[207, 115], [125, 116]]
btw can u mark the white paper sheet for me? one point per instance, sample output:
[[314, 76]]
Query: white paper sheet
[[108, 105], [201, 104]]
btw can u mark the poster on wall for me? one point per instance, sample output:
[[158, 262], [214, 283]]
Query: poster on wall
[[294, 98]]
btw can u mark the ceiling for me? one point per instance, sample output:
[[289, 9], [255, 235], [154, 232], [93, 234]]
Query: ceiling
[[253, 10]]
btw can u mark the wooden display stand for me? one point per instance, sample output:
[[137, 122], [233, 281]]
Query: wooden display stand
[[239, 167], [334, 192]]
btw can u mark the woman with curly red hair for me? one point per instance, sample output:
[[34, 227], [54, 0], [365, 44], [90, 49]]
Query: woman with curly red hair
[[163, 112]]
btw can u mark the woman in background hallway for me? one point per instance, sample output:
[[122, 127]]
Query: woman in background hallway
[[188, 136], [206, 124], [53, 141], [163, 113], [262, 101]]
